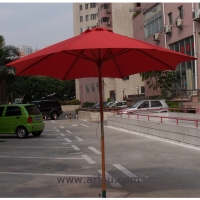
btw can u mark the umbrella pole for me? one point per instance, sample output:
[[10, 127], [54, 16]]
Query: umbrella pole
[[102, 134]]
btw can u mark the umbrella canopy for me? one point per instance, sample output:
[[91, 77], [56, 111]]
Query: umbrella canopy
[[120, 56], [98, 53]]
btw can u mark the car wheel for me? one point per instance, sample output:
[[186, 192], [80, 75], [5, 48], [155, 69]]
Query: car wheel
[[36, 134], [54, 116], [21, 132]]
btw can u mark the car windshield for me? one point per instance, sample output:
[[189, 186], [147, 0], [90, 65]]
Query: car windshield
[[32, 110], [136, 104]]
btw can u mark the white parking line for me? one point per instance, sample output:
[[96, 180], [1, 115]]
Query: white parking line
[[66, 143], [84, 125], [75, 147], [62, 127], [110, 179], [52, 121], [94, 150], [126, 171], [34, 147], [88, 159], [78, 138], [24, 157], [39, 174], [61, 134], [68, 131], [68, 140]]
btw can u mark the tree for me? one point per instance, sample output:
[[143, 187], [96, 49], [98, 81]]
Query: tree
[[42, 87], [7, 55], [161, 81]]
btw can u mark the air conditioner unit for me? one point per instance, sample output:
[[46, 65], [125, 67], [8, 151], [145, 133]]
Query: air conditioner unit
[[179, 23], [108, 23], [156, 37], [196, 15], [167, 29], [108, 11]]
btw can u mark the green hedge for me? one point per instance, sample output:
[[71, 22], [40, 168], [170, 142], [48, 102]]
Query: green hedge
[[71, 102]]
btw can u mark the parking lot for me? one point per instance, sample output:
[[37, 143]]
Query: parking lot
[[65, 161]]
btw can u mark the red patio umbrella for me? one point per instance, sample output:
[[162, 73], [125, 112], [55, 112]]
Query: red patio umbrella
[[98, 53]]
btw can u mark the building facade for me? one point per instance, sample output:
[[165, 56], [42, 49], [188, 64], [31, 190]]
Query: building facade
[[114, 16], [174, 26], [24, 50]]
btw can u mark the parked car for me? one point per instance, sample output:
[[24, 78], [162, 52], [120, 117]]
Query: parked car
[[147, 106], [49, 108], [21, 119], [105, 105], [118, 104]]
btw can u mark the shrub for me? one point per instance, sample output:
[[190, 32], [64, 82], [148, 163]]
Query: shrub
[[75, 102], [87, 104]]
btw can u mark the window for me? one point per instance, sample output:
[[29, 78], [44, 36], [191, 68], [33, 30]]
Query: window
[[13, 111], [81, 18], [138, 4], [153, 20], [81, 29], [86, 17], [105, 19], [142, 89], [144, 104], [1, 111], [80, 7], [104, 6], [93, 5], [93, 16], [126, 78], [185, 72], [180, 10], [87, 88], [86, 6], [32, 110], [92, 87], [156, 104], [170, 18]]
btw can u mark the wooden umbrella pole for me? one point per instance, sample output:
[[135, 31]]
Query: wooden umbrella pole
[[102, 133]]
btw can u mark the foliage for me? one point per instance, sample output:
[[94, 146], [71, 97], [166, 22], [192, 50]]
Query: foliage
[[75, 102], [7, 55], [42, 87], [161, 81], [136, 13], [108, 99], [173, 104], [87, 104]]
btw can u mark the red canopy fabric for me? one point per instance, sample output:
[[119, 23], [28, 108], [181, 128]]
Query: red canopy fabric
[[77, 57]]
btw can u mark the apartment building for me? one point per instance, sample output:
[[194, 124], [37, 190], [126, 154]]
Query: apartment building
[[175, 26], [118, 18], [24, 50]]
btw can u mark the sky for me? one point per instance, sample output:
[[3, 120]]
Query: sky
[[36, 24]]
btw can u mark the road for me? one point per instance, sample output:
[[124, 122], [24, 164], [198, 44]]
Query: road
[[65, 161]]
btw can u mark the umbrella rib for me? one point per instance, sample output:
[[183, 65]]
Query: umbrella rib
[[118, 54], [72, 65], [35, 63], [118, 68], [93, 54], [79, 54], [108, 51], [155, 59]]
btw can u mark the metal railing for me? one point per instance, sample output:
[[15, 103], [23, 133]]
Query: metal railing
[[149, 116]]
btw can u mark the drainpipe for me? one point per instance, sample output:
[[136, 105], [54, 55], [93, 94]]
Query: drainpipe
[[195, 54], [164, 24]]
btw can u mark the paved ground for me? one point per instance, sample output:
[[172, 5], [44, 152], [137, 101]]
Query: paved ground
[[65, 161]]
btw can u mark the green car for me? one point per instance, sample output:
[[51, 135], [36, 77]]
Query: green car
[[21, 119]]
